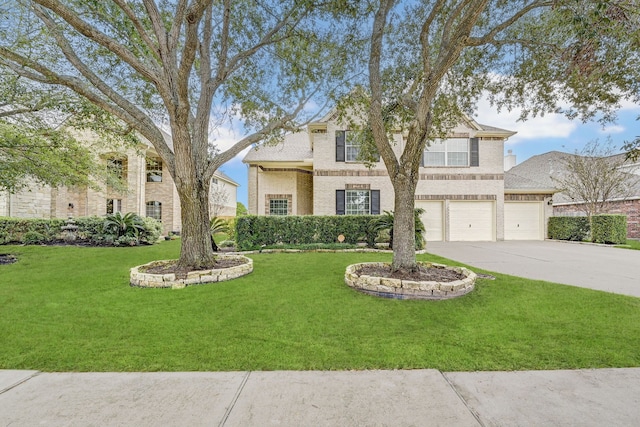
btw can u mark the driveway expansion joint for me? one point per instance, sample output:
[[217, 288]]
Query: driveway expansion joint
[[235, 399]]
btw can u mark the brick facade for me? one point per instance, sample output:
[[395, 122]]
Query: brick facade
[[46, 202], [330, 172]]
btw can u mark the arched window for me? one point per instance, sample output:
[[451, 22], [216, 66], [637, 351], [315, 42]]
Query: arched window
[[154, 210]]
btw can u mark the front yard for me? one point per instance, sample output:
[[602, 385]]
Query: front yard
[[71, 309]]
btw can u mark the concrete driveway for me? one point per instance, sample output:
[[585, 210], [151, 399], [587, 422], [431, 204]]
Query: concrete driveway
[[589, 266]]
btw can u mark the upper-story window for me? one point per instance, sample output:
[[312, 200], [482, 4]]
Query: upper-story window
[[351, 148], [116, 168], [447, 152], [154, 170], [348, 147], [453, 152]]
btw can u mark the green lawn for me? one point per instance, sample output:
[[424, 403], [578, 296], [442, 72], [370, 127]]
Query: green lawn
[[631, 244], [71, 309]]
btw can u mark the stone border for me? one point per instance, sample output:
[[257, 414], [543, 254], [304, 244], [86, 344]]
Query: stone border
[[408, 289], [200, 277]]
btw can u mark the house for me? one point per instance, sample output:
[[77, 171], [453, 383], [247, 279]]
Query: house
[[150, 192], [543, 170], [461, 187]]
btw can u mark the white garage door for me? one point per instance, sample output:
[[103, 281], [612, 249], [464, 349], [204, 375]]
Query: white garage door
[[471, 221], [433, 219], [523, 221]]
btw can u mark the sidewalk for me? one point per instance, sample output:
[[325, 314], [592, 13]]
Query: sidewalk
[[310, 398]]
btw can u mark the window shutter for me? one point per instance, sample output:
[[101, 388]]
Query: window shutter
[[339, 202], [422, 158], [340, 138], [474, 159], [375, 202]]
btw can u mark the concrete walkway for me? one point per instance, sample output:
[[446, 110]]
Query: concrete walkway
[[608, 397], [598, 267]]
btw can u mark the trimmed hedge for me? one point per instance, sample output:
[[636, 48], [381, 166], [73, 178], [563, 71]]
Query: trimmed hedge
[[90, 228], [253, 231], [568, 228], [610, 229]]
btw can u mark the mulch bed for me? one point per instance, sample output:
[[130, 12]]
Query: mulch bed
[[423, 274], [7, 259], [181, 273]]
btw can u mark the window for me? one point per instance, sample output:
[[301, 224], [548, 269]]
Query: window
[[154, 170], [214, 181], [447, 152], [348, 147], [115, 167], [351, 148], [278, 207], [154, 210], [114, 205], [357, 202]]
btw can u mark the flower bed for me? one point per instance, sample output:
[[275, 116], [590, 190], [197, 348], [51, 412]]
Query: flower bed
[[139, 277], [388, 287]]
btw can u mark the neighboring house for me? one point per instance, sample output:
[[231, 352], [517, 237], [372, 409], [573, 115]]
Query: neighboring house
[[541, 170], [461, 185], [150, 192]]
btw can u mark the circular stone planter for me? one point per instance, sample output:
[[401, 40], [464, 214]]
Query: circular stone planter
[[198, 277], [408, 289]]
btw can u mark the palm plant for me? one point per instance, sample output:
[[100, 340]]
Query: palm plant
[[120, 225], [217, 226], [385, 222]]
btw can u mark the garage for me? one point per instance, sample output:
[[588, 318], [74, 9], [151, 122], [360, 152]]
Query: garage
[[433, 219], [471, 221], [523, 221]]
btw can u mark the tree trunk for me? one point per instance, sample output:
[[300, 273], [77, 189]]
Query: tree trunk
[[404, 243], [196, 250]]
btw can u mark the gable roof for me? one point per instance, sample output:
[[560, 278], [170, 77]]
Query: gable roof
[[538, 173]]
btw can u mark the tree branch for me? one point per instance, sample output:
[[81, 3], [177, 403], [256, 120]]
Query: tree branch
[[92, 33], [477, 41]]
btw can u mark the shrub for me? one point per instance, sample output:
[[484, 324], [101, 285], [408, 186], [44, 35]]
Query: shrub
[[385, 223], [34, 231], [33, 238], [611, 229], [13, 230], [151, 230], [568, 228], [252, 231], [129, 224]]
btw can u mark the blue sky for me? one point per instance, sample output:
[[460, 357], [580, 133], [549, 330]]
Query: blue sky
[[535, 136]]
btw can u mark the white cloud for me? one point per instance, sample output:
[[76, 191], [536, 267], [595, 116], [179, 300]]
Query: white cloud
[[612, 129], [547, 126]]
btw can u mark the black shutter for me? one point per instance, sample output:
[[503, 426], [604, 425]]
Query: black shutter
[[474, 159], [339, 202], [340, 135], [375, 202]]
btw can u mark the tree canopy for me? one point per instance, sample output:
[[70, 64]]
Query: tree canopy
[[192, 65], [431, 61]]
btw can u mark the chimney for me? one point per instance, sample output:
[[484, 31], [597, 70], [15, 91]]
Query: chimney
[[509, 160]]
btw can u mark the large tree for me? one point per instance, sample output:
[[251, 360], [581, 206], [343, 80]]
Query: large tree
[[431, 60], [194, 64], [595, 176]]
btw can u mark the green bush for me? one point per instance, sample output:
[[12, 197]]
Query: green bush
[[568, 228], [33, 238], [252, 232], [610, 229], [152, 230], [13, 230], [35, 231]]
